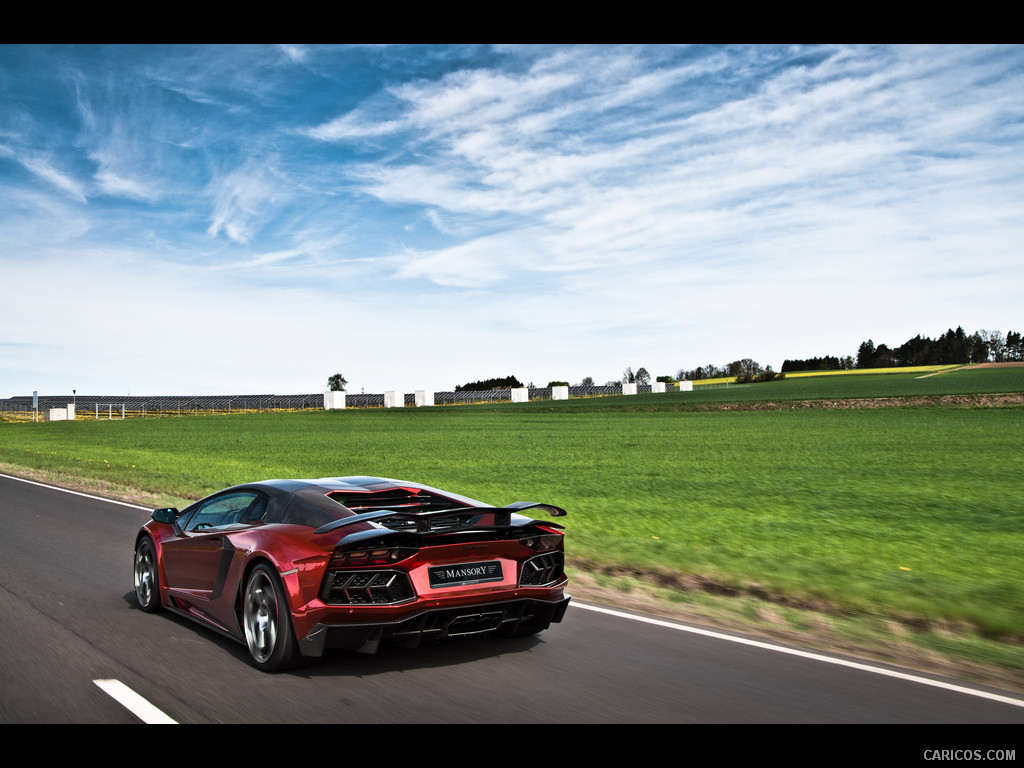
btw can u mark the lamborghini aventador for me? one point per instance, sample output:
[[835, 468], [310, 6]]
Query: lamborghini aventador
[[292, 568]]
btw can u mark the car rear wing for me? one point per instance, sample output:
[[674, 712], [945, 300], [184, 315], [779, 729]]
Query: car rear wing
[[459, 518]]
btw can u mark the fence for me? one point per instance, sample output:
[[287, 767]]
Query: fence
[[107, 407], [115, 407]]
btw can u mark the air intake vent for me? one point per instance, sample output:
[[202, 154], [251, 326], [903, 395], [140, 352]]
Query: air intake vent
[[366, 588], [542, 570]]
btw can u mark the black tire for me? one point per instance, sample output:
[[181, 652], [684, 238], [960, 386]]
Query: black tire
[[147, 576], [267, 621]]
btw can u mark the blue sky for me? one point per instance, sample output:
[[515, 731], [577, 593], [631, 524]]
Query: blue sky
[[252, 219]]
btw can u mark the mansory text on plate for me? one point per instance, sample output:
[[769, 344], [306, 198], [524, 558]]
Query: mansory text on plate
[[294, 567]]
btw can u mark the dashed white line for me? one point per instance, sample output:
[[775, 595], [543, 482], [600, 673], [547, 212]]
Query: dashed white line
[[134, 703]]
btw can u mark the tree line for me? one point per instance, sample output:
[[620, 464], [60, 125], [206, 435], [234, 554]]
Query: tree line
[[951, 348], [744, 371], [508, 382]]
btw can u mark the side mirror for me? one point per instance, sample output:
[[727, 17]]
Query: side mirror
[[165, 515]]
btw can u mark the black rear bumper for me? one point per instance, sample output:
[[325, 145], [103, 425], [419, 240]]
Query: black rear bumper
[[510, 618]]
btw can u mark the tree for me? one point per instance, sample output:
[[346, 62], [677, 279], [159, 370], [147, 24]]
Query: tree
[[979, 348], [643, 378], [996, 345], [883, 357], [746, 367], [700, 372], [866, 354], [588, 381], [337, 382], [953, 347], [827, 363], [1014, 346], [488, 384]]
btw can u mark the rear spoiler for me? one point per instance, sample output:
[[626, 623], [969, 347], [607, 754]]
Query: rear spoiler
[[423, 520]]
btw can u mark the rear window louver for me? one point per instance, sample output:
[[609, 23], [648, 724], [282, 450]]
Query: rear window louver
[[399, 499]]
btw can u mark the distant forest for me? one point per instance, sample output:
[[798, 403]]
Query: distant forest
[[950, 348], [487, 384]]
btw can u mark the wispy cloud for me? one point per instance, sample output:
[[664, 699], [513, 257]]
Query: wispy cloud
[[243, 197], [562, 202], [44, 169], [843, 127]]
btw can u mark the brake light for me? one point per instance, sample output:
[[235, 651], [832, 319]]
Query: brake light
[[360, 558]]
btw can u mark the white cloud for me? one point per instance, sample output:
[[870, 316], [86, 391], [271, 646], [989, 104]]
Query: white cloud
[[243, 197], [112, 184], [43, 168], [420, 217], [353, 126], [296, 53]]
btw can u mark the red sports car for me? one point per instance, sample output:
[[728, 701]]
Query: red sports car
[[294, 567]]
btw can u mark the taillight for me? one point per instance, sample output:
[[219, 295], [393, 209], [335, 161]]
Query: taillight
[[360, 558], [542, 542]]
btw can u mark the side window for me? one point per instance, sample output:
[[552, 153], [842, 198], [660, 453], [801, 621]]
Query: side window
[[256, 511], [224, 510]]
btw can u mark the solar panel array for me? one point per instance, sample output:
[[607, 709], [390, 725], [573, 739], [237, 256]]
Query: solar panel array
[[113, 406]]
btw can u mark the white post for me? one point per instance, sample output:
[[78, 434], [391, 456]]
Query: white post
[[391, 399], [520, 394], [686, 386], [560, 392], [628, 389], [657, 386], [334, 400], [424, 397]]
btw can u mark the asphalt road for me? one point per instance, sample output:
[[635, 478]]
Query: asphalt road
[[68, 619]]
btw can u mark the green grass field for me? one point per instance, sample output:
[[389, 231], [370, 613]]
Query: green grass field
[[909, 512], [890, 382]]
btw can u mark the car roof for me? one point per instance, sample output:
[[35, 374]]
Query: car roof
[[351, 483]]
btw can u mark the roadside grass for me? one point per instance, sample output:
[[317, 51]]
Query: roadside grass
[[904, 517]]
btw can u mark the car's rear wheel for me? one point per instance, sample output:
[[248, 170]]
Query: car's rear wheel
[[147, 576], [267, 622]]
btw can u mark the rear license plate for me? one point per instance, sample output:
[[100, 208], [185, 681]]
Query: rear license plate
[[464, 573]]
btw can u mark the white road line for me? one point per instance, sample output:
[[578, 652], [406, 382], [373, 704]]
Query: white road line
[[134, 703], [120, 692], [807, 655], [74, 493]]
